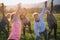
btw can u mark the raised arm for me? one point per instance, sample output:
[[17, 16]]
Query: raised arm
[[3, 10], [18, 9], [15, 16], [43, 11]]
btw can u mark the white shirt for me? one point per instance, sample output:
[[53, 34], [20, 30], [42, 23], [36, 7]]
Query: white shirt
[[40, 26]]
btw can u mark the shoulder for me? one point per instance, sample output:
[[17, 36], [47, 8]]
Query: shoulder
[[34, 23]]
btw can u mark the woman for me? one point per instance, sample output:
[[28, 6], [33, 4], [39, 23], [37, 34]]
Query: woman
[[16, 26], [39, 24], [26, 23]]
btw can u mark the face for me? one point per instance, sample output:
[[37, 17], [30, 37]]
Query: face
[[8, 16], [36, 17], [22, 16]]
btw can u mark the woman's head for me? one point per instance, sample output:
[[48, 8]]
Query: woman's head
[[36, 16], [8, 16], [22, 16], [14, 17]]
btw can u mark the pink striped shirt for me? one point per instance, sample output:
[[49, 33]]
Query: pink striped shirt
[[16, 30]]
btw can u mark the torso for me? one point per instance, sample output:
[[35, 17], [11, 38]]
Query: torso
[[40, 26], [4, 21], [25, 21]]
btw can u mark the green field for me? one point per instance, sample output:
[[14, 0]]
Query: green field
[[28, 37]]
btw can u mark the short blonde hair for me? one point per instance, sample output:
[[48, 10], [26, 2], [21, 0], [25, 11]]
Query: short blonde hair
[[35, 13]]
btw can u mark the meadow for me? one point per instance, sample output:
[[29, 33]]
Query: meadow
[[28, 36]]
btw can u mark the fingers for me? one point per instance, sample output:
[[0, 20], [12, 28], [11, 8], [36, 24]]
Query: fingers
[[19, 5], [45, 3]]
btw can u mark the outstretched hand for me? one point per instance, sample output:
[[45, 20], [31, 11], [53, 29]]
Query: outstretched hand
[[18, 6], [18, 9], [45, 3]]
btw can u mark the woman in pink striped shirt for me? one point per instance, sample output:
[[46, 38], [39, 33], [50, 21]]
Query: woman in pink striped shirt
[[16, 26]]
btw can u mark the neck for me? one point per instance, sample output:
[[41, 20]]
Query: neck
[[37, 20]]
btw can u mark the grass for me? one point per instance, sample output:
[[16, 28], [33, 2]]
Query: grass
[[28, 36]]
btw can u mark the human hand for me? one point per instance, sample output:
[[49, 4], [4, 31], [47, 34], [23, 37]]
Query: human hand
[[45, 3], [19, 6]]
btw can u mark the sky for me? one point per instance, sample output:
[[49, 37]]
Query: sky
[[14, 2]]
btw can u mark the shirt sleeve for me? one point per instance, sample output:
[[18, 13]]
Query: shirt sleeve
[[36, 30], [42, 13]]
